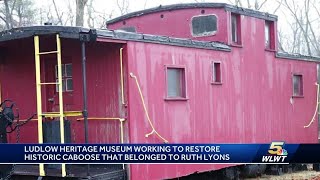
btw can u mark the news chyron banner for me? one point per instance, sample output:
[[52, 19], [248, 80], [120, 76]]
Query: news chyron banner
[[276, 152]]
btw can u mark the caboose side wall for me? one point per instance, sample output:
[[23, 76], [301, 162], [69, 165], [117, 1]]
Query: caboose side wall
[[176, 23], [18, 84], [254, 103], [104, 93], [103, 86]]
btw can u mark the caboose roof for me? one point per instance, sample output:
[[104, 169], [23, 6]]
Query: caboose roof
[[227, 7], [74, 32]]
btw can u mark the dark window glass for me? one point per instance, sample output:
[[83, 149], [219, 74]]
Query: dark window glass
[[267, 35], [204, 25], [62, 69], [129, 29], [216, 72], [235, 28], [67, 83], [68, 70], [176, 82], [297, 85]]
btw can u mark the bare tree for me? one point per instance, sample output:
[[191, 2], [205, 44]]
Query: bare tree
[[123, 6], [306, 35], [257, 4], [8, 14], [58, 12], [90, 20], [236, 3], [16, 13], [278, 7], [295, 13], [145, 4], [303, 37], [80, 5], [70, 14], [97, 18], [46, 14], [59, 15]]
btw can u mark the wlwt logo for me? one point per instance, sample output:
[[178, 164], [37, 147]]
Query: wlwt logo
[[276, 153]]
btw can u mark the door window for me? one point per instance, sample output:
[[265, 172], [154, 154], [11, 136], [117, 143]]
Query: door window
[[67, 82]]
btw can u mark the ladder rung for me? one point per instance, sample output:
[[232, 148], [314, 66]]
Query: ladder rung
[[72, 113], [66, 113], [51, 115], [49, 52], [50, 83]]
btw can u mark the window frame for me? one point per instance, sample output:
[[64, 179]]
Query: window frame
[[301, 94], [184, 84], [66, 84], [272, 36], [213, 73], [238, 30], [212, 33], [64, 78], [65, 69]]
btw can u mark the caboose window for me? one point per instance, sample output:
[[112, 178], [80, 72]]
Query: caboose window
[[176, 86], [204, 25], [67, 82], [297, 85], [216, 73], [269, 35], [235, 29]]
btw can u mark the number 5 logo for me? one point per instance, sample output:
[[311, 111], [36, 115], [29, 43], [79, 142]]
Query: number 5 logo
[[276, 148]]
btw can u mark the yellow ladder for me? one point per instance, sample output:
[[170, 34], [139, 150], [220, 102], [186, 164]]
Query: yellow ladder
[[59, 114]]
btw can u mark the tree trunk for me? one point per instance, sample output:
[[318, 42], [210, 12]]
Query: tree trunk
[[80, 4], [8, 15]]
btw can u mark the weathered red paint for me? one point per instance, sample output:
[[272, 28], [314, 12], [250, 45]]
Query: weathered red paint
[[175, 23], [18, 72], [253, 104]]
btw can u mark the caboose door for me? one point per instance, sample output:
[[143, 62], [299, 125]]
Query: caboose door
[[51, 75]]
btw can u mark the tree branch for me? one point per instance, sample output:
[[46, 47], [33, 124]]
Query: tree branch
[[57, 12], [259, 7], [279, 5]]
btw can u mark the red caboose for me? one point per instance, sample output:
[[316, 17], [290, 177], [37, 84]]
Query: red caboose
[[189, 73]]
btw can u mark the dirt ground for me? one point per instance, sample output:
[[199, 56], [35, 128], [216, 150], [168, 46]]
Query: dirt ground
[[302, 175]]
